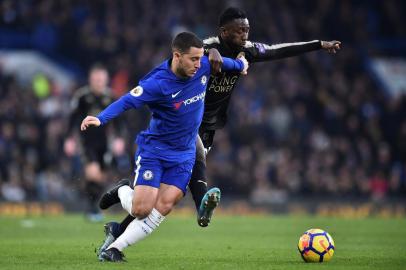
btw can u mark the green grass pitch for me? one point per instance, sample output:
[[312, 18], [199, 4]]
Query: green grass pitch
[[260, 242]]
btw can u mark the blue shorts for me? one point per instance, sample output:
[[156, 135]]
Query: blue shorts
[[150, 171]]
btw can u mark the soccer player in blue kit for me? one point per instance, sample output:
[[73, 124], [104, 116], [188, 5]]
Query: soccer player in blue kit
[[174, 92], [232, 40]]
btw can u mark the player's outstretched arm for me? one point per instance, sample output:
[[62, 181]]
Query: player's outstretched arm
[[331, 46], [89, 121], [258, 52]]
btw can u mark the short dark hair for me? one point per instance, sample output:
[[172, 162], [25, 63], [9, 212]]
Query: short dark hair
[[97, 66], [230, 14], [183, 41]]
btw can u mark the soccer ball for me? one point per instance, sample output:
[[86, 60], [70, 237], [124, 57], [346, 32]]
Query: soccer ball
[[316, 245]]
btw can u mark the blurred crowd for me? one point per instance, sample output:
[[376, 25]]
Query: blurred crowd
[[316, 124]]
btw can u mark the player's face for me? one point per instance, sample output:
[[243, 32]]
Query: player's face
[[98, 80], [235, 33], [189, 62]]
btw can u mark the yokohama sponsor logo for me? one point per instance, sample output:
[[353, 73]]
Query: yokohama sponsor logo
[[190, 100], [195, 98]]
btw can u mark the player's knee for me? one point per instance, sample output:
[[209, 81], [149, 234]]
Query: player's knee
[[141, 211], [93, 171], [165, 206]]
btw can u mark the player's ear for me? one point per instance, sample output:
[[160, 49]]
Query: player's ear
[[176, 54], [223, 30]]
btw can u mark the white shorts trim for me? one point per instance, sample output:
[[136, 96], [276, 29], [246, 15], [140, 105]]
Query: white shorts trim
[[137, 169]]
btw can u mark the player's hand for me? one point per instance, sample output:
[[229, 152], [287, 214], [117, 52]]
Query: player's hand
[[215, 59], [331, 46], [89, 121], [241, 56]]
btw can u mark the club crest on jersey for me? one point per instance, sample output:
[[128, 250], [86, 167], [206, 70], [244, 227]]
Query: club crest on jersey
[[203, 80], [147, 175], [137, 91]]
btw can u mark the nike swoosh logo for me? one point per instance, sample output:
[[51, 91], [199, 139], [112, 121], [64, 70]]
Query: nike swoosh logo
[[177, 93]]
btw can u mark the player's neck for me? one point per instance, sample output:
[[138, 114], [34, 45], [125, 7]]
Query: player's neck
[[228, 45], [176, 70]]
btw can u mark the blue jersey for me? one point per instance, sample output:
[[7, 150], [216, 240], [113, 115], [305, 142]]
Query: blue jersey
[[177, 107]]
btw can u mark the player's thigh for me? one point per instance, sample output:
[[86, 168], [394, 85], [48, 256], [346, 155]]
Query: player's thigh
[[168, 196], [147, 179], [94, 162], [95, 153], [148, 171], [93, 171], [144, 200], [178, 175]]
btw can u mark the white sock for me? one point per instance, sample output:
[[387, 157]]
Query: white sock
[[138, 230], [125, 193]]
